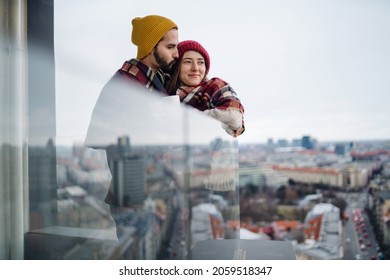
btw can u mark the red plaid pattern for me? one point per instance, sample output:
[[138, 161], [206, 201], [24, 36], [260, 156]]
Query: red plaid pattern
[[211, 94], [136, 70]]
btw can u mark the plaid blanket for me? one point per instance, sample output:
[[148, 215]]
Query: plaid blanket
[[144, 75], [219, 100], [214, 93]]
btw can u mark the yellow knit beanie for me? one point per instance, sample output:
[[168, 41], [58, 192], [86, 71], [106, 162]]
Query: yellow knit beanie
[[148, 31]]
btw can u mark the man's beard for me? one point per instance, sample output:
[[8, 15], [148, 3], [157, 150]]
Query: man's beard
[[164, 65]]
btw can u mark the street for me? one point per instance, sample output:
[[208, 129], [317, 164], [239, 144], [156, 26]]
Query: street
[[359, 237]]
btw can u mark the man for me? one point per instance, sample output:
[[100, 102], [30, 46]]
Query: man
[[156, 38]]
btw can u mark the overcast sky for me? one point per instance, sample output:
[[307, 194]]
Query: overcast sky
[[300, 67]]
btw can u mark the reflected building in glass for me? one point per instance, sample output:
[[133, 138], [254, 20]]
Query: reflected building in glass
[[129, 174]]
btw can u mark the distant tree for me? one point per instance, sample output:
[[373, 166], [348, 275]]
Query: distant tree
[[290, 196], [253, 189], [281, 193], [341, 204]]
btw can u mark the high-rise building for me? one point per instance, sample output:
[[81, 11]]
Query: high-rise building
[[42, 185], [128, 174], [307, 142], [342, 148], [296, 143], [282, 143], [270, 142]]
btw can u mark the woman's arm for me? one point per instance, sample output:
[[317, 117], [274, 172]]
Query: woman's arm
[[225, 106]]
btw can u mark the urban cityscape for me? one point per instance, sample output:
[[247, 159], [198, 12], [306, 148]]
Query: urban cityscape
[[331, 200]]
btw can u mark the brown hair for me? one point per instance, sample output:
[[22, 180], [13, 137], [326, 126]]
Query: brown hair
[[174, 82]]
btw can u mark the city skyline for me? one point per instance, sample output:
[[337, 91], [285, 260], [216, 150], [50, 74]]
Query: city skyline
[[267, 141]]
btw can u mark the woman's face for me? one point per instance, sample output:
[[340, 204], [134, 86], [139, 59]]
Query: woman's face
[[192, 68]]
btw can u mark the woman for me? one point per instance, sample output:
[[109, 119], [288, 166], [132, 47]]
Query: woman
[[213, 96]]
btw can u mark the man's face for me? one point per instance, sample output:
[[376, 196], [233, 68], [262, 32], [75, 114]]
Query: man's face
[[166, 53]]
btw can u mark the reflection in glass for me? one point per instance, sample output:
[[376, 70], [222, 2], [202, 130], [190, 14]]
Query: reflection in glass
[[147, 184]]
